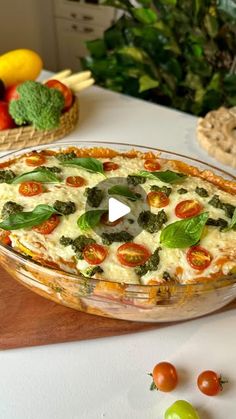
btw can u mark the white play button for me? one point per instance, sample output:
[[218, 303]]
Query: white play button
[[116, 209]]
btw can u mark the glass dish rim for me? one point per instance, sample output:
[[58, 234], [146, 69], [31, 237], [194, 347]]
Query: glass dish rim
[[24, 259]]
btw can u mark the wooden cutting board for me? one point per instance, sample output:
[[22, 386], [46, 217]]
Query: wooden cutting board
[[26, 319]]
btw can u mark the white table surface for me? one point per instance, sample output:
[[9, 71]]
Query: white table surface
[[106, 378]]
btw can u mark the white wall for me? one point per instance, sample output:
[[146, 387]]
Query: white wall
[[28, 24]]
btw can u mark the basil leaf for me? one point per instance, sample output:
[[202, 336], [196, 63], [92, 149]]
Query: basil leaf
[[232, 224], [90, 219], [167, 177], [184, 233], [124, 191], [28, 219], [37, 175], [88, 163]]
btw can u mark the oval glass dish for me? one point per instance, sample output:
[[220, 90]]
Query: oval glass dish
[[146, 303]]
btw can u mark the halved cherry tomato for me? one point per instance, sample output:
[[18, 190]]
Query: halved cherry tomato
[[165, 377], [4, 237], [199, 258], [75, 181], [108, 166], [35, 160], [157, 199], [106, 222], [30, 188], [188, 208], [66, 91], [152, 165], [94, 253], [48, 226], [210, 383], [132, 254]]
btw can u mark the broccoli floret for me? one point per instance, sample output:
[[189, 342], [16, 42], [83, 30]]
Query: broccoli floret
[[38, 105]]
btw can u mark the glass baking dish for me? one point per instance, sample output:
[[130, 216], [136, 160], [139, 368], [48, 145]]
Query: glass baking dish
[[146, 303]]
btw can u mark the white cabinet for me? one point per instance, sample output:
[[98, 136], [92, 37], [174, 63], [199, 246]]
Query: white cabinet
[[76, 23]]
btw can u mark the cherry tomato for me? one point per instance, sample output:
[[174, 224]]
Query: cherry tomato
[[35, 159], [6, 121], [48, 226], [152, 165], [210, 383], [30, 188], [106, 222], [157, 199], [75, 181], [165, 377], [4, 237], [94, 253], [132, 254], [199, 258], [66, 91], [11, 93], [181, 410], [187, 209], [108, 166]]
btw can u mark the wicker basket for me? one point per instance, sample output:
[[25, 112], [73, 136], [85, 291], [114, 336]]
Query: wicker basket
[[18, 138]]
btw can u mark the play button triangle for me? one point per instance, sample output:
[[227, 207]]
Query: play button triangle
[[116, 209]]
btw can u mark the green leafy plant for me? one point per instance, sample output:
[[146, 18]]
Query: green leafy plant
[[180, 53]]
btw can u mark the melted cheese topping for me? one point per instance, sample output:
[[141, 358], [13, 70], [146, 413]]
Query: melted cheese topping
[[174, 261]]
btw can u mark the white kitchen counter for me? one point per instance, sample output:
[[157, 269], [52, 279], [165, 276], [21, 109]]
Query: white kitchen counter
[[106, 378]]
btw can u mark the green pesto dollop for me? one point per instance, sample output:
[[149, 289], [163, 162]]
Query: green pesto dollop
[[152, 222], [219, 222], [77, 244], [10, 208], [227, 208], [167, 191], [65, 208], [202, 192], [135, 180], [94, 196], [6, 176], [151, 264], [91, 271], [63, 157], [182, 191], [122, 236]]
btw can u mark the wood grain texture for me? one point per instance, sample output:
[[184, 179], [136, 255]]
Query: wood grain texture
[[26, 319]]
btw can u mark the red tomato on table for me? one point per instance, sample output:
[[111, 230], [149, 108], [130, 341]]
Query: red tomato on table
[[6, 121], [11, 93], [66, 91]]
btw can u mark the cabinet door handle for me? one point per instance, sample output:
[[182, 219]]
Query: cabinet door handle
[[74, 15], [74, 27], [87, 17], [88, 30]]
